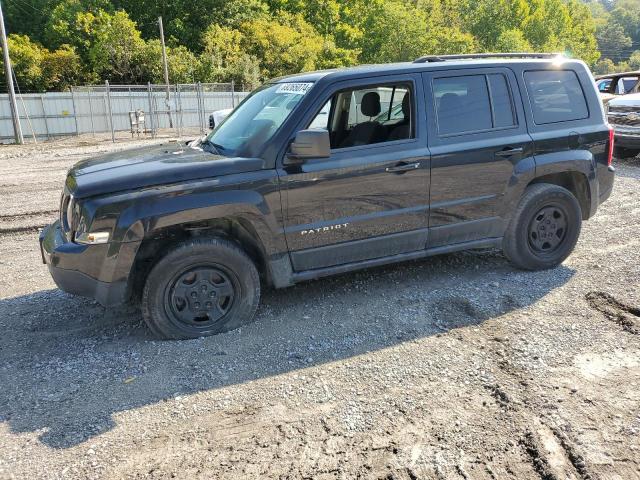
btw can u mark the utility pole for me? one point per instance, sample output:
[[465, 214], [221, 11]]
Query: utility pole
[[17, 128], [166, 71]]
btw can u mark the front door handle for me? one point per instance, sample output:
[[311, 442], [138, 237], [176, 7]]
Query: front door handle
[[509, 151], [403, 167]]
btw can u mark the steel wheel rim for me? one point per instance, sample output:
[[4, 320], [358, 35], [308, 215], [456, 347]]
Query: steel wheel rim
[[548, 229], [200, 297]]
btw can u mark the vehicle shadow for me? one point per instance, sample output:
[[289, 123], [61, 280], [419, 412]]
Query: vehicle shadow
[[627, 167], [68, 366]]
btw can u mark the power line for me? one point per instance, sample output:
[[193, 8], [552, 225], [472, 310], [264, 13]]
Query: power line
[[35, 9]]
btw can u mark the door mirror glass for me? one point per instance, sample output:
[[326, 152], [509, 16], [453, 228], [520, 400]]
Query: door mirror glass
[[308, 144]]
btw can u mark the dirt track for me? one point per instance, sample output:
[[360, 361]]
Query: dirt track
[[455, 367]]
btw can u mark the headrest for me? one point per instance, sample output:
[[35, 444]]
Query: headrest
[[406, 105], [370, 105], [449, 101]]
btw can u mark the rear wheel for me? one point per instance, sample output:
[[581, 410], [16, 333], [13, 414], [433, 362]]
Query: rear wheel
[[620, 152], [200, 288], [544, 228]]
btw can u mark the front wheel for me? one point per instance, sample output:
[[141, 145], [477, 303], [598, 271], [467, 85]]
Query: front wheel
[[544, 228], [200, 288]]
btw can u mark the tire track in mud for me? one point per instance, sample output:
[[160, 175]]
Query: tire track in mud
[[626, 316], [25, 222], [16, 216], [550, 451]]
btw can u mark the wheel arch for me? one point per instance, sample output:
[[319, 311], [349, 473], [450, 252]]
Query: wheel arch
[[574, 181], [159, 242]]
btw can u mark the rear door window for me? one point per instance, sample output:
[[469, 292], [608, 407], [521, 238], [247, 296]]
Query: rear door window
[[555, 96], [472, 103], [501, 101]]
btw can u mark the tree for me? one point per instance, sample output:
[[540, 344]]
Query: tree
[[116, 45], [401, 32], [67, 23], [283, 46], [489, 19], [634, 60], [580, 40], [28, 17], [26, 59], [62, 69], [604, 66], [512, 40], [181, 63], [38, 69], [612, 38], [185, 20]]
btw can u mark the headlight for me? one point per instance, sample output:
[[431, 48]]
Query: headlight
[[71, 204], [80, 233]]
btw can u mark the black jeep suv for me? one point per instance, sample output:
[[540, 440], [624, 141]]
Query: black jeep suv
[[403, 161]]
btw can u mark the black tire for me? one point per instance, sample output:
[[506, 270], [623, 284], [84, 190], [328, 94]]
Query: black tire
[[202, 287], [534, 240], [620, 152]]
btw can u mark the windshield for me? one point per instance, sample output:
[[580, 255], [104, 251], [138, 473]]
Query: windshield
[[245, 131]]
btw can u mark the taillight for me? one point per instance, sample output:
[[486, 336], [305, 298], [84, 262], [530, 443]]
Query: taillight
[[610, 146]]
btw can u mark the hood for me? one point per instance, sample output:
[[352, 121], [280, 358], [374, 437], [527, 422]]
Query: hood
[[630, 100], [150, 166], [606, 97]]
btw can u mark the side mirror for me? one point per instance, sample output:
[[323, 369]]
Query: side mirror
[[308, 144]]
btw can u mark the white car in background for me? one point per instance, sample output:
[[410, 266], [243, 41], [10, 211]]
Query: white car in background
[[617, 84], [218, 116]]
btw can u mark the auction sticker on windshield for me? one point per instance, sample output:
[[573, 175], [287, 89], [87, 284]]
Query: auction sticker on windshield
[[298, 88]]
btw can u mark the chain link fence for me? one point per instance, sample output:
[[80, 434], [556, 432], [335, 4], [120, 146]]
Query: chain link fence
[[121, 111]]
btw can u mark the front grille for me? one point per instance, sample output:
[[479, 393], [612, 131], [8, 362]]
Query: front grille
[[625, 116], [623, 109]]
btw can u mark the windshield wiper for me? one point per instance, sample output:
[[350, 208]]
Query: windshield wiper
[[212, 147]]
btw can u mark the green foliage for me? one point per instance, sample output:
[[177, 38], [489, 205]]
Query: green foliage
[[604, 66], [250, 41], [612, 37], [634, 60], [186, 20], [115, 48], [512, 40], [38, 69]]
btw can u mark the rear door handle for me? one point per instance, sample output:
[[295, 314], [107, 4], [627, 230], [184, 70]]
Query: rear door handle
[[403, 167], [509, 151]]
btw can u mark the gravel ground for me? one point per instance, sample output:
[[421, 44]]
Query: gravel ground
[[454, 367]]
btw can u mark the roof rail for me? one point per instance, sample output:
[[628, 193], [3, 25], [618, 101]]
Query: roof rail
[[471, 56]]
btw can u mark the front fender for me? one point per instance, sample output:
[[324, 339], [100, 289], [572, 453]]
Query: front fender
[[253, 197]]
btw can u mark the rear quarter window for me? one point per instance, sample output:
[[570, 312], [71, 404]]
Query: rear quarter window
[[555, 96]]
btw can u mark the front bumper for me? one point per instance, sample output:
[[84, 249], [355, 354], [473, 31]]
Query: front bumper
[[86, 270], [625, 140]]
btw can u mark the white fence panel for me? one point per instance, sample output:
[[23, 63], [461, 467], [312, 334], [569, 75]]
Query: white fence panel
[[99, 109]]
